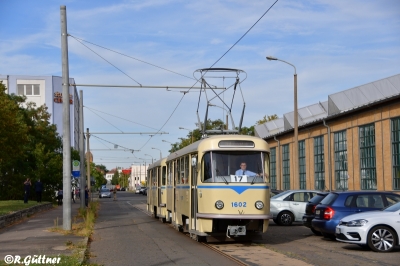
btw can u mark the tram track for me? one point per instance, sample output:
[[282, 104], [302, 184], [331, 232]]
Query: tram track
[[209, 246], [239, 262]]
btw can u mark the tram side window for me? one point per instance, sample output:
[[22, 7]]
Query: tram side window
[[186, 173], [177, 168], [154, 178], [182, 171], [169, 180], [207, 176], [164, 172], [158, 175]]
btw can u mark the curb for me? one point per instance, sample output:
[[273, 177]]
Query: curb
[[9, 219]]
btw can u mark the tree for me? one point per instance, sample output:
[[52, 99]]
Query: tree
[[266, 119], [30, 147], [247, 131], [98, 175], [102, 168], [115, 178], [123, 180]]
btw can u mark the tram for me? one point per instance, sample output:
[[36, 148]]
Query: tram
[[156, 192], [216, 189]]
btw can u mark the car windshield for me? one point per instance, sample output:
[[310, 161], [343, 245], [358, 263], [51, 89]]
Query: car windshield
[[105, 190], [317, 198], [235, 166], [328, 200], [281, 194], [393, 208]]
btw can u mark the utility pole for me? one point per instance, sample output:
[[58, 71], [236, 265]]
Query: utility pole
[[67, 224], [82, 151], [88, 160]]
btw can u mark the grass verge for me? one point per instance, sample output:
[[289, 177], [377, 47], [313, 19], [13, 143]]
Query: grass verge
[[10, 206], [83, 222]]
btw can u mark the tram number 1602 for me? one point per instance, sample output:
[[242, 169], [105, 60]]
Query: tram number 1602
[[239, 204]]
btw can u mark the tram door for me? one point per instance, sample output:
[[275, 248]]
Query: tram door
[[193, 206], [158, 192]]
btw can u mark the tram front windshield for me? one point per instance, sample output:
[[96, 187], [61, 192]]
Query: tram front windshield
[[232, 167]]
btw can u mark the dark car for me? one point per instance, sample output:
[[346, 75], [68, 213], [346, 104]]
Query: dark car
[[123, 189], [310, 209], [145, 191], [337, 205]]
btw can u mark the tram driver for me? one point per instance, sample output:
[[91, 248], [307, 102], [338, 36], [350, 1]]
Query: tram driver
[[244, 171]]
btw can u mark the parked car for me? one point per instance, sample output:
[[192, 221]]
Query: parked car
[[274, 192], [310, 209], [123, 189], [141, 190], [289, 206], [380, 230], [337, 205], [144, 191], [104, 193]]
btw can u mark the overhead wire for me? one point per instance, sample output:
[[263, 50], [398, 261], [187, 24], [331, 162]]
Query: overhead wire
[[119, 117], [133, 58], [113, 143], [211, 67], [107, 61], [106, 121], [197, 80]]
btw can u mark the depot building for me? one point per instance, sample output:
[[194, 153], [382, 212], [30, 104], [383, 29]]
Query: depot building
[[349, 142]]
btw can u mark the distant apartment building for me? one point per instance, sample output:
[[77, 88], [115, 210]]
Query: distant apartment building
[[47, 90], [109, 176], [349, 142]]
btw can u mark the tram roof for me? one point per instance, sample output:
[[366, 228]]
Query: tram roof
[[157, 163], [194, 146]]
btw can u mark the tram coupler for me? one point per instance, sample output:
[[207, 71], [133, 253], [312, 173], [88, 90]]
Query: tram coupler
[[236, 230]]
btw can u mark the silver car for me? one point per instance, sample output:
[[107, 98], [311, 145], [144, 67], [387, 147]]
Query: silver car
[[380, 230], [290, 206], [104, 193]]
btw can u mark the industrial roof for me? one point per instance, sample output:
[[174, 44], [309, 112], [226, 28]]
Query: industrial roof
[[337, 103]]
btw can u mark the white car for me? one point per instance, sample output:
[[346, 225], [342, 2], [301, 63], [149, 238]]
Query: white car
[[380, 230], [290, 206]]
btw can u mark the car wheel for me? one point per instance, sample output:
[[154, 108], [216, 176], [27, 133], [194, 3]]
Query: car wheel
[[285, 218], [381, 239], [317, 233]]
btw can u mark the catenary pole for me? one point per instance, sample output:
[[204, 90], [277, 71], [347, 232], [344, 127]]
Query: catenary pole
[[82, 151], [88, 161], [66, 123]]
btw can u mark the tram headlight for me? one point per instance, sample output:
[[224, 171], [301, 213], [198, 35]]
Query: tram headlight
[[219, 204], [259, 205]]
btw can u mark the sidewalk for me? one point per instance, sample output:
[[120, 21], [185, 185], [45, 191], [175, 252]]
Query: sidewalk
[[32, 236]]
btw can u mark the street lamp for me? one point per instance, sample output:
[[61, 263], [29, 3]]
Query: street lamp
[[150, 157], [160, 152], [168, 142], [190, 131], [296, 126]]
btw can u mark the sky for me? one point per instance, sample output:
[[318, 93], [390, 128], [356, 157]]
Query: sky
[[334, 45]]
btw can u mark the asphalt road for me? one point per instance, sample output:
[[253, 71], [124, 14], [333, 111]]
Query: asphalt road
[[125, 235]]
